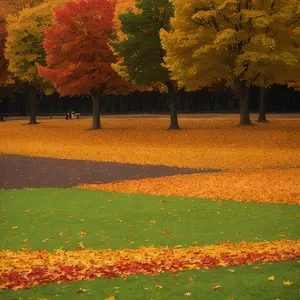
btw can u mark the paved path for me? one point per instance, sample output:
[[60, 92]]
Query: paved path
[[17, 172]]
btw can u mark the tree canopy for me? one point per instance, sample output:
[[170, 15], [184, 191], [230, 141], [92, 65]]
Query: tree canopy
[[24, 50], [241, 41], [139, 47], [9, 7], [79, 57]]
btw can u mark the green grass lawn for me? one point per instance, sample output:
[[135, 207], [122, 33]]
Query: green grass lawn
[[114, 221], [54, 218]]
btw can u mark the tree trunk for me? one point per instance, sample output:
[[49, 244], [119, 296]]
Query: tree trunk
[[33, 115], [33, 102], [242, 92], [96, 112], [172, 95], [1, 118], [244, 111], [262, 105]]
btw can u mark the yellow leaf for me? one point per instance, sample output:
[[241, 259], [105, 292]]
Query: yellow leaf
[[188, 294], [15, 227], [271, 278], [217, 287], [287, 282]]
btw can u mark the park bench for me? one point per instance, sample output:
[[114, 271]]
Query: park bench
[[75, 114]]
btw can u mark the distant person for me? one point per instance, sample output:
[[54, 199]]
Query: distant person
[[68, 114]]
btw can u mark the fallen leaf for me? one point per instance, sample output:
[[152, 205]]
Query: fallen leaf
[[271, 278], [153, 221], [164, 232], [110, 298], [159, 286], [25, 241], [287, 282], [191, 278], [82, 233], [81, 291], [15, 227], [256, 268], [217, 287], [188, 294], [231, 270]]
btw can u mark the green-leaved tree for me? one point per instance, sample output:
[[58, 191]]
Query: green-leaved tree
[[140, 51]]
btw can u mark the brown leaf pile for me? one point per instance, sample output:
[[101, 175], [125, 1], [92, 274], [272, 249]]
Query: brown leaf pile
[[204, 142], [22, 269], [262, 186]]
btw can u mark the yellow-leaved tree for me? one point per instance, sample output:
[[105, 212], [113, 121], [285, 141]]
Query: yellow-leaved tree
[[9, 7], [245, 42], [24, 50]]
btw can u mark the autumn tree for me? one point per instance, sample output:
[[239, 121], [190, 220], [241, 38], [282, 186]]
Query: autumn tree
[[9, 7], [3, 62], [140, 51], [24, 50], [79, 57], [243, 42]]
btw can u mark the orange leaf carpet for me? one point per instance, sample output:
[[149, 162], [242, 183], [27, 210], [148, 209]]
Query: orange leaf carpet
[[262, 186], [23, 269]]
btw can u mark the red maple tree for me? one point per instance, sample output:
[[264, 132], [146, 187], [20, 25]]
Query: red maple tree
[[78, 55]]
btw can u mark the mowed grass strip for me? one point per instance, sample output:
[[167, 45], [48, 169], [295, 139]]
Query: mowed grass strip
[[243, 283], [204, 142], [54, 218]]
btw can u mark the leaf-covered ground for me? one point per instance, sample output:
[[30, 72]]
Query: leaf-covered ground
[[24, 269], [247, 282], [46, 232], [204, 142], [261, 186]]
